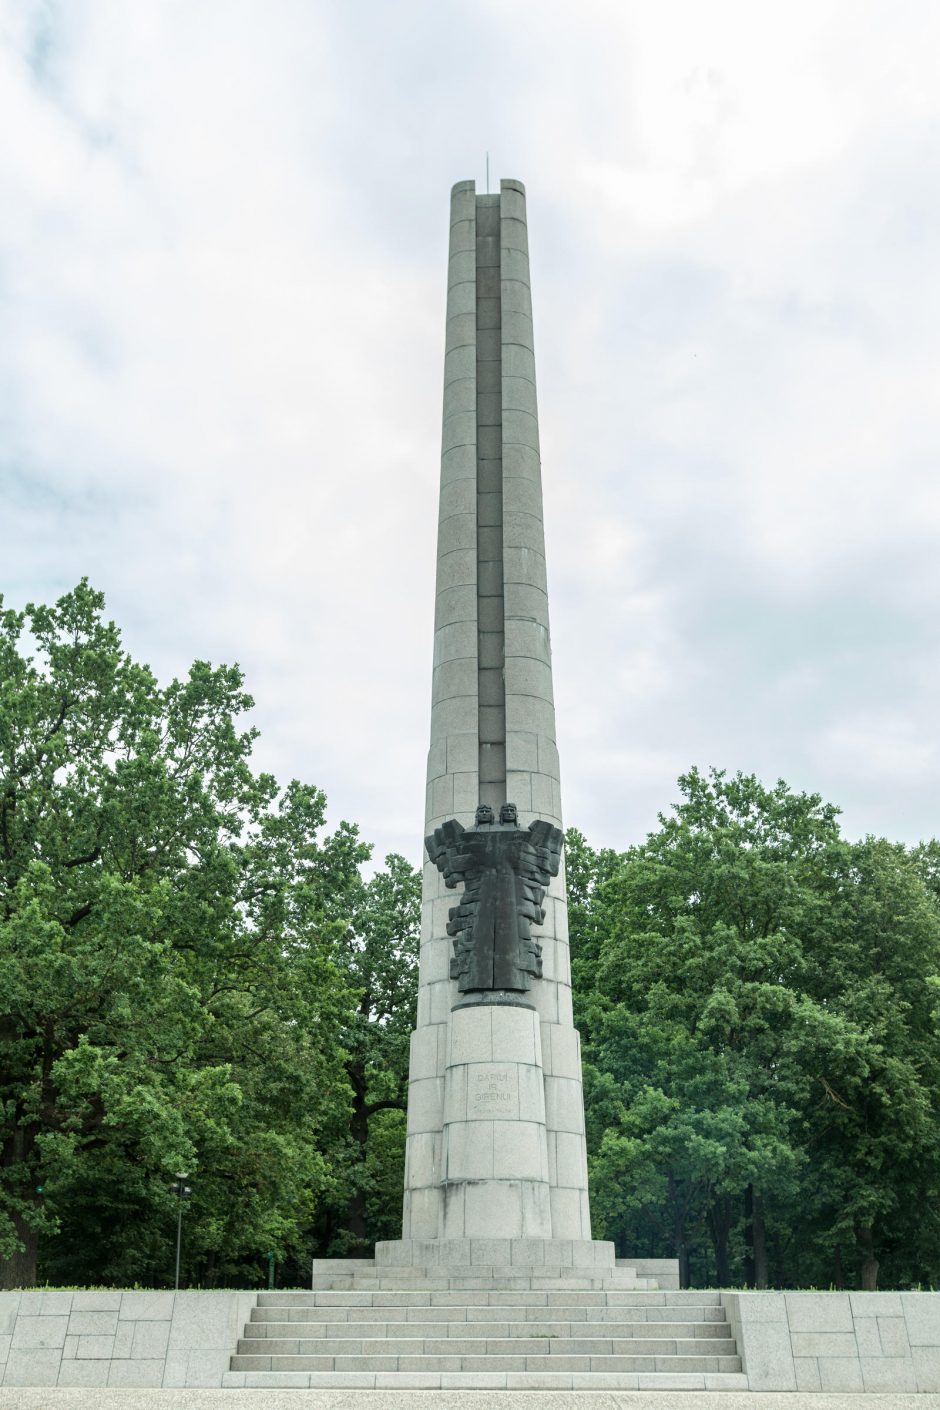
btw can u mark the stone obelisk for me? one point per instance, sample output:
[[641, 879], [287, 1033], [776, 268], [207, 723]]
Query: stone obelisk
[[495, 1146]]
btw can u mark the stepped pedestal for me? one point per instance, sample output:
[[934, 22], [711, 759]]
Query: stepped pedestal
[[483, 1338]]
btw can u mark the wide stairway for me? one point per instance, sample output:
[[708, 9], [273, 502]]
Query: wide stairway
[[486, 1337]]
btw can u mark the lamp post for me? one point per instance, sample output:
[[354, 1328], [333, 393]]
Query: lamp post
[[182, 1192]]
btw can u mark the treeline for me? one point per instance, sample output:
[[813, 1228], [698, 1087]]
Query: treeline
[[759, 1004], [196, 976]]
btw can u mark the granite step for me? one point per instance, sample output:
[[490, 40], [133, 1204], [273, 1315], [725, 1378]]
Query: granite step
[[482, 1312], [495, 1271], [485, 1380], [488, 1361], [530, 1327], [491, 1337], [483, 1346], [587, 1279], [492, 1297]]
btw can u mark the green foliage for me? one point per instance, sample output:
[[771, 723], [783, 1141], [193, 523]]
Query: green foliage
[[178, 981], [196, 976], [381, 963], [762, 1063]]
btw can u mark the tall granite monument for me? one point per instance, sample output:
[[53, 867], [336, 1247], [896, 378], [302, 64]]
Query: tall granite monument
[[495, 1113]]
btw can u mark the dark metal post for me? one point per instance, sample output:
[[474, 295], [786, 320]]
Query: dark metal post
[[179, 1240], [183, 1192]]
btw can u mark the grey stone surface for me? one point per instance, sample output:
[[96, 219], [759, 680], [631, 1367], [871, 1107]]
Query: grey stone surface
[[84, 1373], [147, 1306], [838, 1341], [840, 1373], [32, 1333], [369, 1398], [82, 1322], [819, 1312], [96, 1301], [922, 1317], [96, 1339], [926, 1361], [33, 1367], [881, 1374]]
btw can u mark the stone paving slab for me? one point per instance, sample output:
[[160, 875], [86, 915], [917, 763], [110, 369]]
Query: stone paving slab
[[52, 1399]]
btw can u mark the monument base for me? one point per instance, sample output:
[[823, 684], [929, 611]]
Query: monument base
[[495, 1253], [499, 1265]]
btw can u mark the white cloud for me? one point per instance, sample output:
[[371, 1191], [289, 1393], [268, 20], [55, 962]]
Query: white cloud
[[223, 248]]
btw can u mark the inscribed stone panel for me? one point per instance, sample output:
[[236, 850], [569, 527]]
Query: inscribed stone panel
[[493, 1091]]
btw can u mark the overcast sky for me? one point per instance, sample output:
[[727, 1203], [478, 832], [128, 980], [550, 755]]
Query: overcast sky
[[223, 236]]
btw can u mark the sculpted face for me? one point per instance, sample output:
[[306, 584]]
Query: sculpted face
[[485, 814], [509, 813]]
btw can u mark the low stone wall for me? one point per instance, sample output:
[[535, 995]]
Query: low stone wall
[[883, 1341], [665, 1271], [788, 1341], [119, 1338]]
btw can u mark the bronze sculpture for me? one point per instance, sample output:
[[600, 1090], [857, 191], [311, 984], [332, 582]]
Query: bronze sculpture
[[505, 871]]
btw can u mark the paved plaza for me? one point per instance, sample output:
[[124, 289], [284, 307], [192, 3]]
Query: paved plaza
[[42, 1399]]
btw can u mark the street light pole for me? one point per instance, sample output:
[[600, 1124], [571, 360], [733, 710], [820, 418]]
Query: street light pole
[[179, 1242], [182, 1192]]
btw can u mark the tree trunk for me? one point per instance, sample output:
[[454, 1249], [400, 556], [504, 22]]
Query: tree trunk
[[719, 1223], [869, 1266], [20, 1270], [357, 1222], [759, 1241], [682, 1253], [748, 1236], [755, 1238], [838, 1272], [680, 1248]]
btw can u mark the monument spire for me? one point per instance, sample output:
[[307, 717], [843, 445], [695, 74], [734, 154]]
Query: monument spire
[[495, 1111]]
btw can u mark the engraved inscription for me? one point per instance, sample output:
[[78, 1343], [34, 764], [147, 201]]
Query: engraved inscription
[[493, 1092]]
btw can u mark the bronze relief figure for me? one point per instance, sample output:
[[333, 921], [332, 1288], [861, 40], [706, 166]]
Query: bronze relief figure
[[505, 870]]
